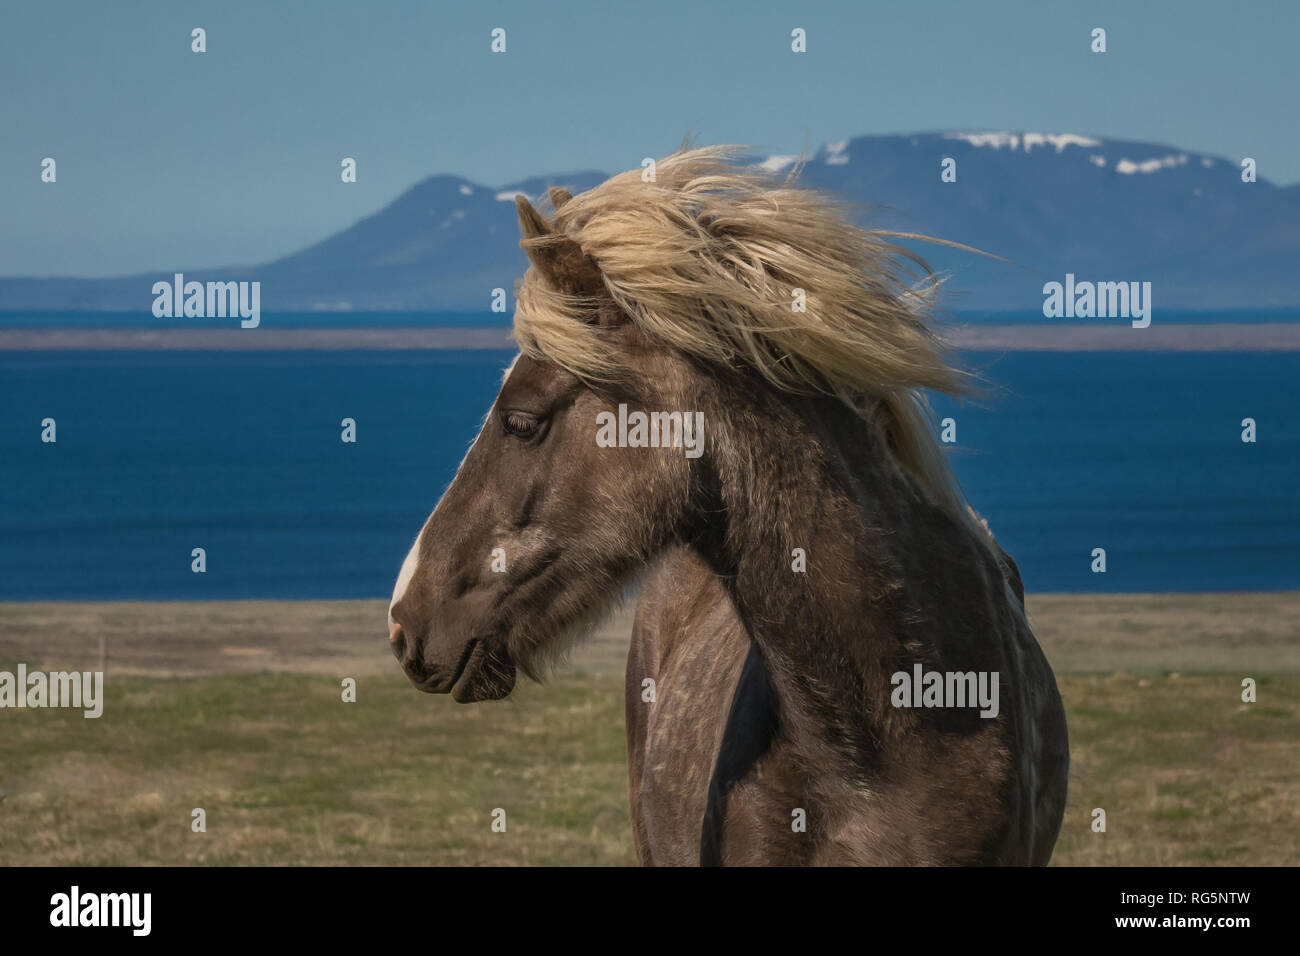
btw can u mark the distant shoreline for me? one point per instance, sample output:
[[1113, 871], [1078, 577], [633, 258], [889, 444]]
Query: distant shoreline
[[1211, 337]]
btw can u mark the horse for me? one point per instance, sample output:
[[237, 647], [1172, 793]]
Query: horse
[[796, 569]]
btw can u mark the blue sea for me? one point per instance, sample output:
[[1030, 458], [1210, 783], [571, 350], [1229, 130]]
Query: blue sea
[[239, 453]]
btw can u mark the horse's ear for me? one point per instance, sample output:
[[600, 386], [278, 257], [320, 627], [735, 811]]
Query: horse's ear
[[555, 255], [559, 196], [531, 222]]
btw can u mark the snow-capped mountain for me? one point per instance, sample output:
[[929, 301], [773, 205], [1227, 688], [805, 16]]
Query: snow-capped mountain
[[1106, 210]]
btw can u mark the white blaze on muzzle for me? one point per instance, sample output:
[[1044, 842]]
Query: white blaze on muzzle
[[412, 557], [403, 581]]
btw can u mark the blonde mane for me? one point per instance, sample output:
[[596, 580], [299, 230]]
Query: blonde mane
[[711, 257]]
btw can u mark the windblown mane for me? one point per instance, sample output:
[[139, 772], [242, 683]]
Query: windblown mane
[[708, 258]]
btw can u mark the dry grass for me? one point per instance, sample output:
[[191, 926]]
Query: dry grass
[[288, 773], [255, 733], [1186, 772]]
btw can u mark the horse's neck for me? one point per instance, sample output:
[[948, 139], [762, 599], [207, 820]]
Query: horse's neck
[[807, 502]]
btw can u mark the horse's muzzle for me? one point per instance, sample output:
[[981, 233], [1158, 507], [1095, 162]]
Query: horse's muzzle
[[473, 675]]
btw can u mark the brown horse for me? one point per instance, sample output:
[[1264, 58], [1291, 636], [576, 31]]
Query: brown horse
[[719, 392]]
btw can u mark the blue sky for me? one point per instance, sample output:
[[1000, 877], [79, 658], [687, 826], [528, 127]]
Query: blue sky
[[171, 159]]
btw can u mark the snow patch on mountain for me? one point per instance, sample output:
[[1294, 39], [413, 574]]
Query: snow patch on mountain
[[774, 164], [1128, 167], [1015, 141], [837, 153]]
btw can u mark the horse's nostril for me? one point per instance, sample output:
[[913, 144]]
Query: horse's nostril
[[397, 640]]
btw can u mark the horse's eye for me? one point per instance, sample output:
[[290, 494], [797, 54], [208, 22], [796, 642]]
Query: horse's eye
[[520, 425]]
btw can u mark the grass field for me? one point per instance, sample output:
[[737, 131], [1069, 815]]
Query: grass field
[[236, 708]]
